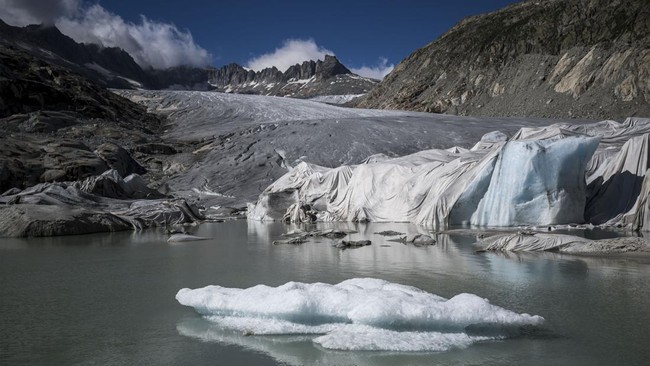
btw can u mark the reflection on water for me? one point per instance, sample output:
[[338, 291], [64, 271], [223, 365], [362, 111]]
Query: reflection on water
[[109, 298], [299, 350]]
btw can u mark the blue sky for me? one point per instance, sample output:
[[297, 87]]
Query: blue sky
[[359, 32]]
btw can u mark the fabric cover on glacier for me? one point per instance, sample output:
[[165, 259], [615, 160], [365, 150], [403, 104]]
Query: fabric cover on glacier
[[559, 174]]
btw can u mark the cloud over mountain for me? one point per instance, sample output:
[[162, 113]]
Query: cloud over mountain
[[378, 71], [151, 43], [292, 51]]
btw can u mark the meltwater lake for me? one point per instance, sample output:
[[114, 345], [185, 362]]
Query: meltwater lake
[[109, 299]]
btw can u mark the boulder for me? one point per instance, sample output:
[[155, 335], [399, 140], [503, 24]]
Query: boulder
[[119, 159]]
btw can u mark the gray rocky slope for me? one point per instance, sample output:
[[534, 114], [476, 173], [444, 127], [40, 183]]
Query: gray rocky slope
[[544, 58], [306, 80], [72, 153]]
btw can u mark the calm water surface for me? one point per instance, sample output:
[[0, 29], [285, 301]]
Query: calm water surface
[[108, 299]]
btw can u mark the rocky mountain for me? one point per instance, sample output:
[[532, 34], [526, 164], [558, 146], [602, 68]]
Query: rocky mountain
[[72, 152], [52, 118], [114, 68], [544, 58], [107, 66], [179, 78], [306, 80]]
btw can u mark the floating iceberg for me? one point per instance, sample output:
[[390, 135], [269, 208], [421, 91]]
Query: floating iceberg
[[358, 314]]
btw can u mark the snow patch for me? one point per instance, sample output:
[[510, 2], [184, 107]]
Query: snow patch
[[301, 81], [336, 99]]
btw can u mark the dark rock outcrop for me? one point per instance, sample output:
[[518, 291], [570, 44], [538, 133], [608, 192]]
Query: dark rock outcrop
[[111, 185], [29, 84], [178, 78], [53, 119], [62, 134], [27, 160], [119, 159], [91, 60], [544, 58]]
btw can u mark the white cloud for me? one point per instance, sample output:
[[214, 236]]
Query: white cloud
[[150, 43], [23, 12], [375, 72], [293, 51]]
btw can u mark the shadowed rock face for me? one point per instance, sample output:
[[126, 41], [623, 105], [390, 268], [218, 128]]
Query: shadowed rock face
[[40, 38], [53, 119], [107, 66], [29, 84], [61, 136], [548, 58]]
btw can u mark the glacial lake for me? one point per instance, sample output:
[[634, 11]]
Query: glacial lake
[[109, 299]]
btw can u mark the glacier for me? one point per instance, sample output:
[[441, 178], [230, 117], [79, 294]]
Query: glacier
[[559, 174], [358, 314]]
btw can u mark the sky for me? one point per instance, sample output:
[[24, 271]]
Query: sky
[[369, 37]]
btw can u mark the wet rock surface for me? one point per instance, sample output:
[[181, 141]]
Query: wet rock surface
[[389, 233], [417, 240], [352, 244]]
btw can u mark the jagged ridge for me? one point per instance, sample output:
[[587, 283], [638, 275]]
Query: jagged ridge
[[309, 79]]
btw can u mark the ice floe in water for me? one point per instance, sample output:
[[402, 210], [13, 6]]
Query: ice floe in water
[[358, 314]]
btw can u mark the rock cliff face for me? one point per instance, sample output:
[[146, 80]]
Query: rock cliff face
[[52, 118], [309, 79], [109, 66], [544, 58]]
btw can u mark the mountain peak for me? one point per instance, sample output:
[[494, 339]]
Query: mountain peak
[[306, 79], [332, 66]]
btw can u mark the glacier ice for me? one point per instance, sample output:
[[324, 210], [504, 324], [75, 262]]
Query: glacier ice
[[560, 174], [537, 182], [358, 314]]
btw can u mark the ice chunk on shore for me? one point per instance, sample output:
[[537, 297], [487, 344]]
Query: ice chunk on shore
[[359, 314]]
